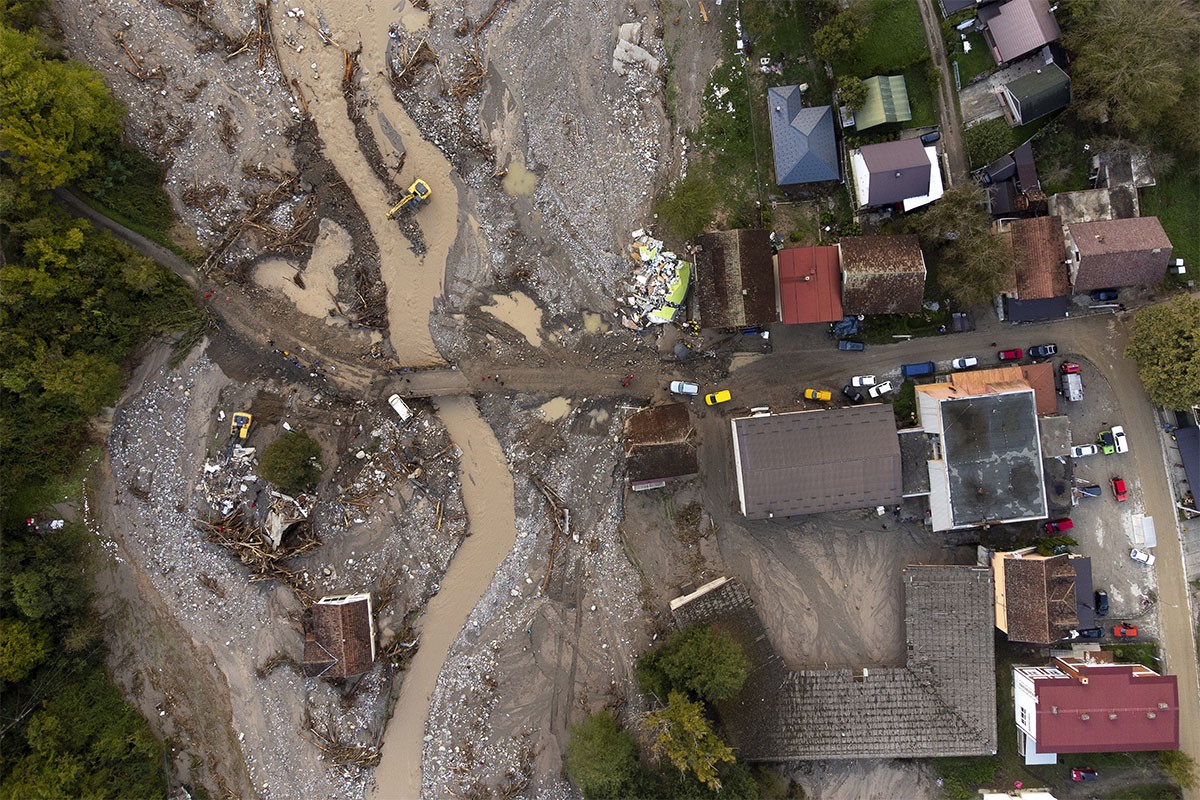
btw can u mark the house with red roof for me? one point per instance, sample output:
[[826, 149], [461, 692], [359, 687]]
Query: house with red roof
[[810, 285], [1087, 703]]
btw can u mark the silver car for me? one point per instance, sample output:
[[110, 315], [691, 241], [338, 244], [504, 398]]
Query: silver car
[[683, 387]]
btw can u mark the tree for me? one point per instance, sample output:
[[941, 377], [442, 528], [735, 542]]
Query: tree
[[1179, 766], [988, 140], [1134, 62], [22, 647], [1165, 342], [292, 462], [682, 734], [843, 31], [973, 265], [698, 661], [602, 759], [852, 92], [56, 113]]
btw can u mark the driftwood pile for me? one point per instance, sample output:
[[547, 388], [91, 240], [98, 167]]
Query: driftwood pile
[[252, 545], [561, 515], [329, 741]]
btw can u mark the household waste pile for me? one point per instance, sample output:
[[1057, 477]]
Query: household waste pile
[[657, 285]]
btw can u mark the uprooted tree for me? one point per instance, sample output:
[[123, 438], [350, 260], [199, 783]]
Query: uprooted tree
[[1165, 343]]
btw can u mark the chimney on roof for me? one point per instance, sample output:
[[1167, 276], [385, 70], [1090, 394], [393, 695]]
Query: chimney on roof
[[778, 109], [1150, 715], [1085, 717], [1054, 710], [1163, 706], [897, 174], [1113, 715]]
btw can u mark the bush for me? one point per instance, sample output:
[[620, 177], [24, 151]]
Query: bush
[[292, 462], [602, 759], [699, 662], [852, 92], [687, 208], [987, 141], [1179, 766]]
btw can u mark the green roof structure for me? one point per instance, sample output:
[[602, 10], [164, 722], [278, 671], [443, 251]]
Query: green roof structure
[[1036, 94], [887, 101]]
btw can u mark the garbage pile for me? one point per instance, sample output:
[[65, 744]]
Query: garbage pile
[[657, 286]]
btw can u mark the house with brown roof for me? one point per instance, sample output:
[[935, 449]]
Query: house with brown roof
[[810, 285], [1117, 252], [1088, 703], [1037, 597], [903, 172], [1040, 286], [735, 278], [882, 274], [1018, 27], [940, 702], [339, 637], [659, 447]]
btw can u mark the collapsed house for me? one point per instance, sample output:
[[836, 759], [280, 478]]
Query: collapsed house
[[657, 285]]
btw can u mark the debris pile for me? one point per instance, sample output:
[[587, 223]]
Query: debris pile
[[252, 543], [657, 285], [629, 50]]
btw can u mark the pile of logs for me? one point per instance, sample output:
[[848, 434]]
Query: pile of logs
[[329, 741], [253, 548]]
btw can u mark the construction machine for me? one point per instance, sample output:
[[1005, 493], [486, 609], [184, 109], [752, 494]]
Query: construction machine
[[239, 427], [417, 195]]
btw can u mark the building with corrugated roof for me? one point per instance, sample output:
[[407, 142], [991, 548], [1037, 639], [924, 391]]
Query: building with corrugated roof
[[882, 274]]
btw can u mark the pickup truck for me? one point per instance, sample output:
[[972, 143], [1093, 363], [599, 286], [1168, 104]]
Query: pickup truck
[[918, 369]]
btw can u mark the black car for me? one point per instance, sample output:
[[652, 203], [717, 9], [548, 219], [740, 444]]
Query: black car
[[852, 394], [1101, 604], [1091, 633], [929, 138], [1042, 350], [1104, 295]]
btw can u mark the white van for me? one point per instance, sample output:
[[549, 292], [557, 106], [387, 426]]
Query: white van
[[1073, 387], [401, 407]]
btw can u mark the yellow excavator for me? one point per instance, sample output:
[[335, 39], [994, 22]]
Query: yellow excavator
[[239, 427], [417, 195]]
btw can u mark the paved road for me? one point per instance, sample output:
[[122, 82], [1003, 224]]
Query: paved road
[[952, 132]]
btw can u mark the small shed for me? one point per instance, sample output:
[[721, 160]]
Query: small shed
[[1036, 94], [886, 103]]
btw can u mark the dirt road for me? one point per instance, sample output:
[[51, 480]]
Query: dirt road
[[952, 131]]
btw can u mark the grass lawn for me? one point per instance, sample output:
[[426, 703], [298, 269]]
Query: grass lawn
[[976, 62], [1062, 163], [921, 99], [895, 40], [1176, 203]]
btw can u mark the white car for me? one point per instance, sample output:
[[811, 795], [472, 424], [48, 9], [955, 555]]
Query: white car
[[683, 387], [862, 380], [401, 407], [879, 389], [1081, 450], [1119, 439], [1142, 556], [964, 363]]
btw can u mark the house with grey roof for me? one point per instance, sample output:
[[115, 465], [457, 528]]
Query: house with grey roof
[[882, 274], [940, 702], [805, 462], [903, 172], [1036, 94], [1018, 27], [1117, 252], [887, 102], [802, 138]]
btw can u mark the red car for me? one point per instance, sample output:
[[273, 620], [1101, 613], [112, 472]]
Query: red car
[[1084, 774], [1120, 491], [1125, 631], [1069, 367], [1011, 355], [1054, 526]]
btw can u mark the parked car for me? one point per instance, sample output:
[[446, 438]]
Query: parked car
[[818, 394], [1058, 525], [400, 407], [1142, 556], [1070, 368], [1125, 631], [1119, 440], [1105, 440], [1084, 774], [1120, 490], [918, 369], [1101, 606], [1088, 633], [964, 363], [852, 394], [1010, 355], [1089, 491], [716, 398], [683, 387], [1104, 295], [862, 380], [1043, 350], [929, 138], [879, 389], [847, 344], [1083, 450]]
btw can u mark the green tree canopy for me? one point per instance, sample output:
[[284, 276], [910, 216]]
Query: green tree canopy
[[53, 114], [292, 462], [683, 735], [844, 30], [852, 92], [699, 661], [988, 140], [22, 647], [1165, 343], [602, 759], [973, 265]]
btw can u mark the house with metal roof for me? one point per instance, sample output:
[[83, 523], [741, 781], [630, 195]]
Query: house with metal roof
[[1117, 252], [887, 102], [805, 462], [1040, 284], [810, 285], [735, 278], [1018, 27], [1041, 599], [903, 172], [1036, 94], [802, 139], [986, 456], [882, 274], [1088, 703], [940, 702], [339, 637]]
